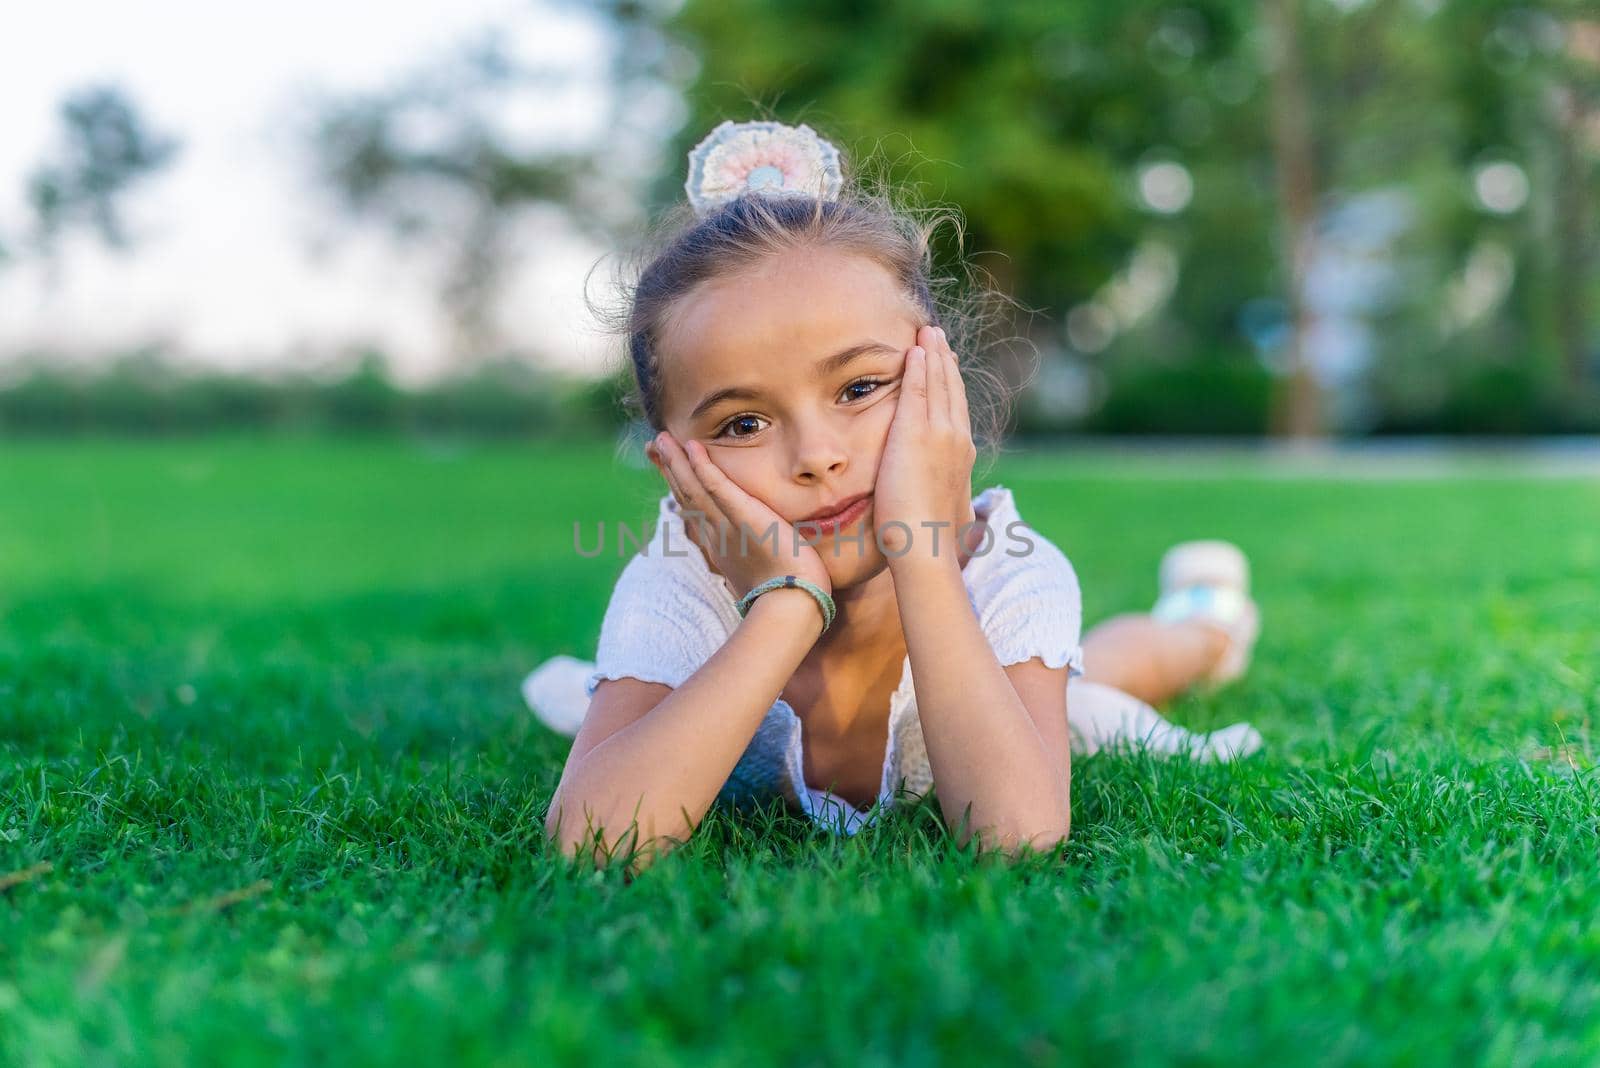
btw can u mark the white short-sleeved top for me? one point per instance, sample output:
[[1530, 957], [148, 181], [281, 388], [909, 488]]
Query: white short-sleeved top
[[669, 613]]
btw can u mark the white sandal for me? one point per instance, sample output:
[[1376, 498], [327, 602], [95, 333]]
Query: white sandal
[[555, 692], [1210, 580]]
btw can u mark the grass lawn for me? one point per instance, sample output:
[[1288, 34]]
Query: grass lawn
[[269, 793]]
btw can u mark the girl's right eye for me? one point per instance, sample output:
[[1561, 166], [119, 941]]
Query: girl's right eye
[[722, 431]]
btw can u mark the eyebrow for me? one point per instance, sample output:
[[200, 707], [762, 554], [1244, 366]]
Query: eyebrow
[[826, 368]]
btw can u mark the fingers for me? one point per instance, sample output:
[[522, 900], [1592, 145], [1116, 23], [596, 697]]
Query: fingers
[[686, 484], [913, 400], [722, 489], [947, 391], [709, 490], [657, 452], [938, 373], [959, 414]]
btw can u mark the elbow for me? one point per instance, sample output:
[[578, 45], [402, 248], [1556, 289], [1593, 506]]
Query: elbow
[[579, 835], [1039, 831], [1045, 841], [1043, 832], [576, 831], [1035, 837], [1022, 836]]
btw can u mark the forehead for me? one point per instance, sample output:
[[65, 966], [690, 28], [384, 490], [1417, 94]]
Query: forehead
[[773, 320]]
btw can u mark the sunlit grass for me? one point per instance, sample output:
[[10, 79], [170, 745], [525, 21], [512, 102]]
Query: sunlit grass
[[268, 792]]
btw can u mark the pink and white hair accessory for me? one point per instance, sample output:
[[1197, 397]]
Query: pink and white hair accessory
[[770, 158]]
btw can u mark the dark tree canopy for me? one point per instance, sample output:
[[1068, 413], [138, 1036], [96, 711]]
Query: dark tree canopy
[[107, 148]]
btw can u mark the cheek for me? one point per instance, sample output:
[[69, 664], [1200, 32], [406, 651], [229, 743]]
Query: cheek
[[752, 470], [875, 427]]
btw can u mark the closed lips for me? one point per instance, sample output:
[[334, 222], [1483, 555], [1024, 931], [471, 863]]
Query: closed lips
[[844, 506]]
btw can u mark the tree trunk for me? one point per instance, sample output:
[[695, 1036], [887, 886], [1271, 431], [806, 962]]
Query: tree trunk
[[1574, 224], [1297, 410]]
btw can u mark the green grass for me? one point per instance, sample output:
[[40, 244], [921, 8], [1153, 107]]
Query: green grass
[[259, 714]]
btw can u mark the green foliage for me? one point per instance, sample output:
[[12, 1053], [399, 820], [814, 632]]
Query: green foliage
[[1217, 396], [1504, 398], [259, 716], [1035, 119], [1027, 115], [143, 394], [1224, 394]]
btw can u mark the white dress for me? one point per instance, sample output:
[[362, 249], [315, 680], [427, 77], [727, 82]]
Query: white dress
[[669, 613]]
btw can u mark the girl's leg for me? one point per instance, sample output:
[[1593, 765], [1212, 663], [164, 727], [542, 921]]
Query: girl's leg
[[1099, 716], [1152, 660], [1202, 627]]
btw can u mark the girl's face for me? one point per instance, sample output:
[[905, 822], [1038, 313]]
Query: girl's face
[[788, 373]]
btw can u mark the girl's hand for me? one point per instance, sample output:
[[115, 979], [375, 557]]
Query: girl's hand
[[699, 485], [925, 475]]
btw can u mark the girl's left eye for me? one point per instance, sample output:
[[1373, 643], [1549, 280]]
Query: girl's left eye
[[874, 382]]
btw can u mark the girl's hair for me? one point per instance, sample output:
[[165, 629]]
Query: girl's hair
[[683, 251]]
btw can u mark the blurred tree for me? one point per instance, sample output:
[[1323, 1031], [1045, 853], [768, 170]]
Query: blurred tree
[[1030, 115], [1145, 173], [1089, 145], [1299, 413], [107, 147], [433, 157], [1572, 100], [426, 157]]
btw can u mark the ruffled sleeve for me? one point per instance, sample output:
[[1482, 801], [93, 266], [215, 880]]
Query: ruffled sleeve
[[665, 619], [1025, 592]]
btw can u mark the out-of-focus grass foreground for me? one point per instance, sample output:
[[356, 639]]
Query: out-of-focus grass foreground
[[269, 793]]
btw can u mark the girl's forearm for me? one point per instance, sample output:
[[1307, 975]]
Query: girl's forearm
[[666, 769], [983, 748]]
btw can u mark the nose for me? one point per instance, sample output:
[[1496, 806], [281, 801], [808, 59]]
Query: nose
[[820, 451]]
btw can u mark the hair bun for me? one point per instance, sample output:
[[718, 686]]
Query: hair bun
[[769, 158]]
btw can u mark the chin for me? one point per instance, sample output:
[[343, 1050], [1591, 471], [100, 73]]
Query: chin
[[852, 566]]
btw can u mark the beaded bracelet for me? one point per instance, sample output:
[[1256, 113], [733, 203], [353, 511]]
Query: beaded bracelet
[[824, 601]]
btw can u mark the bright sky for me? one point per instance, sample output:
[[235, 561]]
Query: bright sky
[[225, 270]]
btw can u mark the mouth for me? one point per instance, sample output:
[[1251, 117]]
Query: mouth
[[845, 517]]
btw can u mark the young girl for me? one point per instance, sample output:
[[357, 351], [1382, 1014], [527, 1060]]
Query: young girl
[[825, 611]]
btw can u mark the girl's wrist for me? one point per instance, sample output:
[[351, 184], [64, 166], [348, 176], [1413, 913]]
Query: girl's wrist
[[796, 607], [927, 557], [823, 598]]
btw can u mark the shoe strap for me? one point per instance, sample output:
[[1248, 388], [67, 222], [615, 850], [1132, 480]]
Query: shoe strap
[[1223, 604]]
